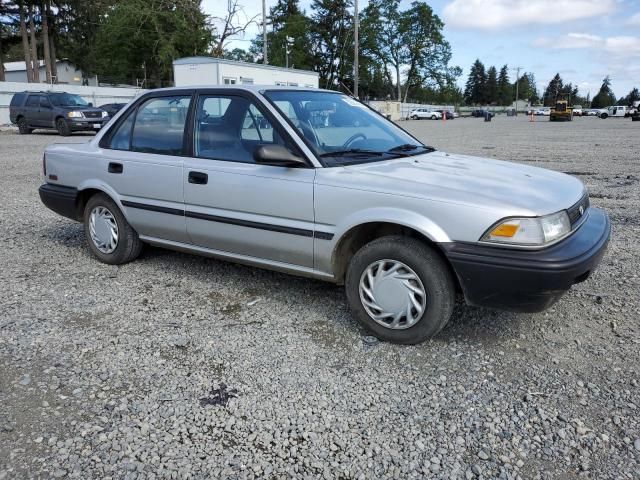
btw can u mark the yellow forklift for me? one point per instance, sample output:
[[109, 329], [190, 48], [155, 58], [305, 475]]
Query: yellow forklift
[[561, 112]]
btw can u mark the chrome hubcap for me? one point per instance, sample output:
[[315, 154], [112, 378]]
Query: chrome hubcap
[[392, 294], [103, 229]]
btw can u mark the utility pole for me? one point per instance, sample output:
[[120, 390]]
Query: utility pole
[[264, 32], [517, 69], [356, 47]]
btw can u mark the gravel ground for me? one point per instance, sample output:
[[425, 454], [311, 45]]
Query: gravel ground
[[177, 366]]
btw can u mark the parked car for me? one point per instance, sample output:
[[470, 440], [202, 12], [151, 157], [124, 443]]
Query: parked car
[[449, 115], [577, 110], [421, 113], [112, 108], [542, 111], [64, 112], [614, 111], [481, 113], [593, 112], [401, 225]]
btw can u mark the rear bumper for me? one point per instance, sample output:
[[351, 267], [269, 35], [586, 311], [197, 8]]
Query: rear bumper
[[529, 280], [62, 200]]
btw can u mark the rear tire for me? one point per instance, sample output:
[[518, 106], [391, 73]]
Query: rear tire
[[63, 127], [23, 126], [421, 270], [604, 115], [108, 217]]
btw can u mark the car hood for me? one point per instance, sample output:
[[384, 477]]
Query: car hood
[[81, 109], [475, 181]]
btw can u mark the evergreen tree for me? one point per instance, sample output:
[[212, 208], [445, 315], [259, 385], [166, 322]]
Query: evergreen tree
[[605, 97], [331, 41], [475, 88], [505, 89], [491, 87], [553, 91]]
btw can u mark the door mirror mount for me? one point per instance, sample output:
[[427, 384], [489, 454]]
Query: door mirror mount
[[277, 156]]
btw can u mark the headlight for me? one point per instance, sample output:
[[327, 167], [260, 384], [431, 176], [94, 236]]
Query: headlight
[[536, 231], [104, 114], [74, 114]]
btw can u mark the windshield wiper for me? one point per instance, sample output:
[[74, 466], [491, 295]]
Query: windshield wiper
[[407, 147], [351, 152]]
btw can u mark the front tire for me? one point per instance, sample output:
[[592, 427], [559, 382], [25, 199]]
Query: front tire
[[400, 289], [63, 127], [110, 237], [603, 116]]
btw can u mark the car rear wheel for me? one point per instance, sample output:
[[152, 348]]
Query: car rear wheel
[[400, 289], [23, 126], [414, 117], [110, 237], [604, 115], [63, 127]]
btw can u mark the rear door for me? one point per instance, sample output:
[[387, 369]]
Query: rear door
[[32, 110], [143, 161], [45, 112], [235, 205]]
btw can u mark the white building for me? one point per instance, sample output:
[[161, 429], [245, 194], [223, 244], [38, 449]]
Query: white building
[[67, 73], [218, 71]]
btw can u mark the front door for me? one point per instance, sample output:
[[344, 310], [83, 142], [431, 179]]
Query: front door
[[235, 205]]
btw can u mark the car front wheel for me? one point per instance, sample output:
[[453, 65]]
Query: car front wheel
[[110, 237], [400, 289], [63, 127]]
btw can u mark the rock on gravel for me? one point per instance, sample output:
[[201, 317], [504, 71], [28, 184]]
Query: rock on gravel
[[168, 367]]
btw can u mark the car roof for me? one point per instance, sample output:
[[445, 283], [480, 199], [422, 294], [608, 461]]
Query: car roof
[[249, 88]]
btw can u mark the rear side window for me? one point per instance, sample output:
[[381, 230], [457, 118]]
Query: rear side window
[[156, 127], [17, 100], [33, 101], [159, 125]]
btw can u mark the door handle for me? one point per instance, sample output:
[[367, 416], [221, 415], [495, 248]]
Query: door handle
[[198, 178], [115, 167]]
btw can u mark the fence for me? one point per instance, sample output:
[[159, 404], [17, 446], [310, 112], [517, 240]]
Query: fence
[[400, 111], [96, 95]]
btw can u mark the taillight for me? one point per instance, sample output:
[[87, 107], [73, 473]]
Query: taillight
[[44, 164]]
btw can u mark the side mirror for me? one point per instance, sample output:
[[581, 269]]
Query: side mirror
[[91, 104], [277, 156]]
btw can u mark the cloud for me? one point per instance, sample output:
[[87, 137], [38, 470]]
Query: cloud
[[496, 14], [634, 21], [617, 46]]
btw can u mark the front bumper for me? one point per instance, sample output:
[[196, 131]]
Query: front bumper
[[80, 124], [62, 200], [529, 280]]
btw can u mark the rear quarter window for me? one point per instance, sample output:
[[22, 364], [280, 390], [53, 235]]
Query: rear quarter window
[[17, 100]]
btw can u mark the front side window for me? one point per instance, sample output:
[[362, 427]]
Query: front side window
[[231, 128], [342, 130], [159, 125]]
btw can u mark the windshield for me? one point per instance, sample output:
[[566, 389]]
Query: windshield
[[341, 130], [67, 100]]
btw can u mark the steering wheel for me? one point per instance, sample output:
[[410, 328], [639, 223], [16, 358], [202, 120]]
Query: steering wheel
[[353, 138]]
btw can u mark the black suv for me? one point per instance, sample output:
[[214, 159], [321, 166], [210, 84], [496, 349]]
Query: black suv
[[64, 112]]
